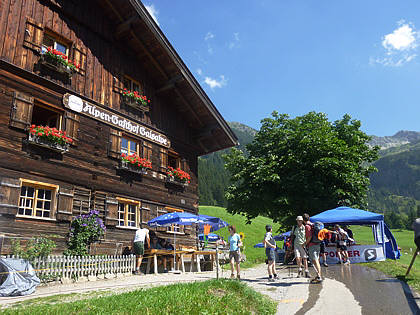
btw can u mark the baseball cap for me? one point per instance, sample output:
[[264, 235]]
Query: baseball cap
[[299, 218]]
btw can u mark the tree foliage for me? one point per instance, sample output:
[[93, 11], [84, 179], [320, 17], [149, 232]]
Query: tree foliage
[[304, 164]]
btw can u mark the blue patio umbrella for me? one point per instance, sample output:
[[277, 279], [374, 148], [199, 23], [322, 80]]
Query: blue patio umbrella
[[211, 237], [181, 218], [259, 245], [214, 222]]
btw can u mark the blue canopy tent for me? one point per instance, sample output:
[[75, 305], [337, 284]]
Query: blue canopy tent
[[351, 216], [280, 237]]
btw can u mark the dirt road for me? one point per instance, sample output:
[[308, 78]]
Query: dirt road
[[350, 289]]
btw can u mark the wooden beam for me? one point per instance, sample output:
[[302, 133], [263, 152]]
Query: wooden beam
[[207, 132], [108, 2], [125, 26], [170, 84], [188, 106]]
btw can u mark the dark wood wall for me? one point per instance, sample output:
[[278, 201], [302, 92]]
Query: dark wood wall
[[87, 164]]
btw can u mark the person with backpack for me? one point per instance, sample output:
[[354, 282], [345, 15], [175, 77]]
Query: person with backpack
[[313, 244], [270, 251], [299, 240], [342, 240]]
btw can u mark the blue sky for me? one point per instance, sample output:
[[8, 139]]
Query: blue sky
[[253, 57]]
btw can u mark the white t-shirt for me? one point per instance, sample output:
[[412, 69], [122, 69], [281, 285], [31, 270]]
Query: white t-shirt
[[141, 235]]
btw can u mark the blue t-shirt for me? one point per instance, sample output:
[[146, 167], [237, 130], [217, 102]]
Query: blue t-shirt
[[234, 241]]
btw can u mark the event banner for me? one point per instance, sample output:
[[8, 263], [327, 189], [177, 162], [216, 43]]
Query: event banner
[[357, 253]]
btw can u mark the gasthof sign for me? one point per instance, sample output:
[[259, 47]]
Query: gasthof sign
[[99, 113]]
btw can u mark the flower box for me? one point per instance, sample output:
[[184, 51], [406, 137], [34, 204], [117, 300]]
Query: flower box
[[55, 65], [129, 167], [46, 143], [175, 181], [135, 100]]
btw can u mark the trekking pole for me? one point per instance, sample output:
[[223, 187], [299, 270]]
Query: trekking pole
[[412, 261]]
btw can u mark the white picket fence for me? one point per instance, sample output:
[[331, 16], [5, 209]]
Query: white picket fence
[[82, 266]]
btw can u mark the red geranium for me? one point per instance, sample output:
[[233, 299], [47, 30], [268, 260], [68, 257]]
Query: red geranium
[[51, 134], [136, 160], [179, 174], [135, 96]]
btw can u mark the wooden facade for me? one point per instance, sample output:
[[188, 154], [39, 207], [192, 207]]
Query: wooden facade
[[117, 45]]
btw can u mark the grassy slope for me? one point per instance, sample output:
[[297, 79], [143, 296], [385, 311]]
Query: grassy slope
[[209, 297], [397, 268], [254, 232]]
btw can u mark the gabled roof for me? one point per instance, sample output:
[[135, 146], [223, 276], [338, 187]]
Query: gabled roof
[[171, 76]]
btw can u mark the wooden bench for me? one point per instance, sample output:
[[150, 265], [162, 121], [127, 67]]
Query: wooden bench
[[195, 259]]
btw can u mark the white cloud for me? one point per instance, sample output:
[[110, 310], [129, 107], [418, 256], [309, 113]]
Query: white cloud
[[208, 36], [403, 38], [153, 12], [214, 83], [199, 71], [400, 46]]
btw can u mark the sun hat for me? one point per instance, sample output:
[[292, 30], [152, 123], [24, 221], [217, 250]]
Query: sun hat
[[299, 218]]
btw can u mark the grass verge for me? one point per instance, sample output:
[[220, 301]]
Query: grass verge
[[209, 297]]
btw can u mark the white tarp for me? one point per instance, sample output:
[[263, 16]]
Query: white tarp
[[357, 253], [17, 277]]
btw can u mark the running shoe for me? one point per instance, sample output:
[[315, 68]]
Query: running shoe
[[232, 276], [300, 273], [271, 280], [307, 275], [347, 262], [325, 264]]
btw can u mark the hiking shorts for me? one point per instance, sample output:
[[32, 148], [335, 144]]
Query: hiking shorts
[[139, 248], [271, 254], [314, 252], [322, 248], [342, 245], [235, 255], [300, 251]]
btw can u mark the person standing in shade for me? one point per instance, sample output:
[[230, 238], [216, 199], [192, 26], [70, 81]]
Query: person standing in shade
[[142, 235], [270, 251], [234, 253], [313, 246], [299, 246]]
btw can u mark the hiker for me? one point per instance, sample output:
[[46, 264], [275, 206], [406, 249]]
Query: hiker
[[299, 240], [142, 235], [270, 252], [416, 228], [234, 252], [342, 239], [326, 237], [313, 244]]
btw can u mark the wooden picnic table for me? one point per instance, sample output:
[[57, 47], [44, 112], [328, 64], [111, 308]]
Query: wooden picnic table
[[179, 253]]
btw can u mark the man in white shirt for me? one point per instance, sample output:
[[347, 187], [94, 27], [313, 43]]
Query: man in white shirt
[[142, 235]]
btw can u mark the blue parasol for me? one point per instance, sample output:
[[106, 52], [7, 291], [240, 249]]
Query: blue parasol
[[211, 237], [214, 222]]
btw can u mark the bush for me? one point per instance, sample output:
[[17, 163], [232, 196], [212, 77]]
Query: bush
[[38, 247], [85, 229]]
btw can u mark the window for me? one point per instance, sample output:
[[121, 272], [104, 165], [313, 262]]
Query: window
[[174, 228], [131, 85], [163, 159], [37, 199], [57, 44], [174, 160], [129, 146], [43, 115], [128, 213]]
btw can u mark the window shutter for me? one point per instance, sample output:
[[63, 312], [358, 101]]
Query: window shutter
[[65, 204], [81, 201], [111, 211], [114, 149], [79, 57], [163, 159], [118, 82], [34, 34], [72, 121], [9, 195], [99, 203], [147, 151], [21, 112]]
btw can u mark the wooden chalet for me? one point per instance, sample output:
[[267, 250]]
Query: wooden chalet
[[113, 45]]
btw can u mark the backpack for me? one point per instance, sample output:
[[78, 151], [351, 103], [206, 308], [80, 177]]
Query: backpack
[[316, 227]]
